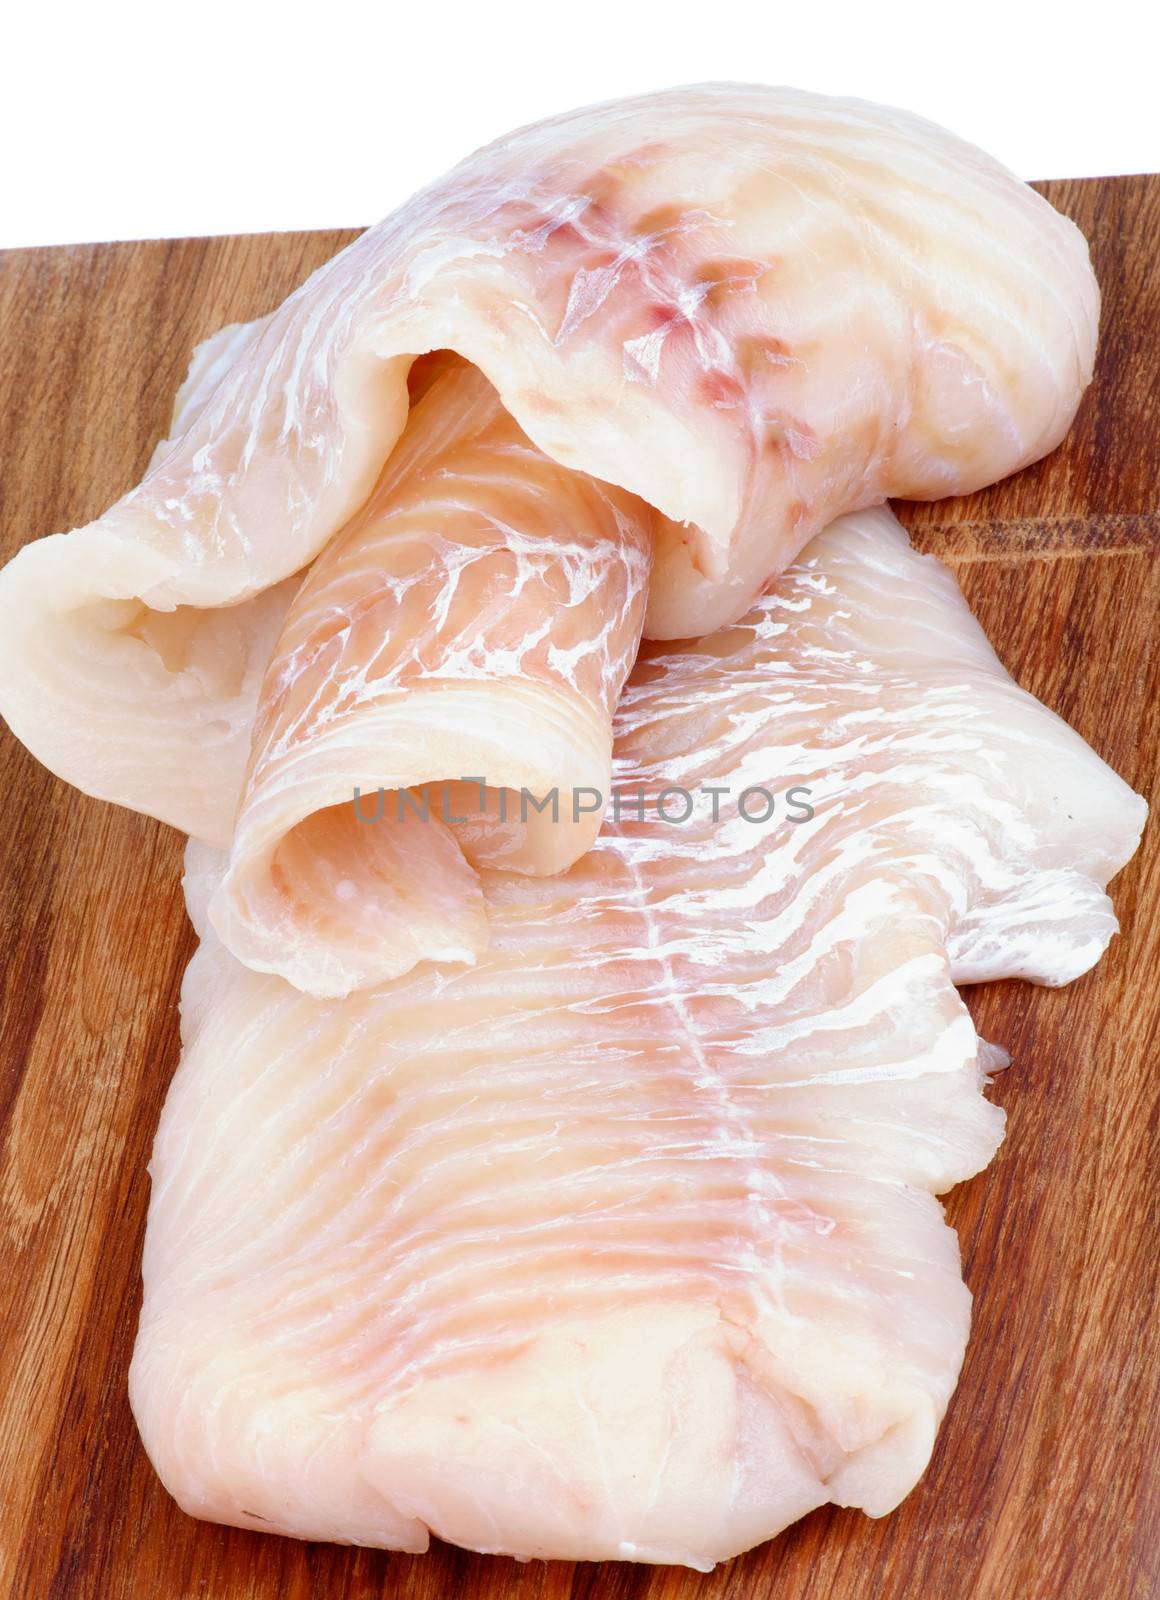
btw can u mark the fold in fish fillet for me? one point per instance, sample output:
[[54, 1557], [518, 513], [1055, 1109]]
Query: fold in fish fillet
[[752, 308], [478, 617], [623, 1243]]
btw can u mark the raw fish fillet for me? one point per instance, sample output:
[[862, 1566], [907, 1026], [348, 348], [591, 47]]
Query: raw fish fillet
[[478, 617], [752, 308], [624, 1241]]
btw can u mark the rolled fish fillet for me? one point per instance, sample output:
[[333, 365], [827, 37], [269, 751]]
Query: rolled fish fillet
[[469, 631], [751, 308], [624, 1242]]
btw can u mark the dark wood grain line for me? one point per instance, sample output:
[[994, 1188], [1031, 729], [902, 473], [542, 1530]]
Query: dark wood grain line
[[1061, 537], [28, 872]]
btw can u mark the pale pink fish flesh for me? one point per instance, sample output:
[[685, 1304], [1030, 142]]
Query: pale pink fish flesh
[[477, 618], [752, 308], [623, 1242]]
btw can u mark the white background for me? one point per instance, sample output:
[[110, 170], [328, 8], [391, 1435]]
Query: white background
[[128, 120]]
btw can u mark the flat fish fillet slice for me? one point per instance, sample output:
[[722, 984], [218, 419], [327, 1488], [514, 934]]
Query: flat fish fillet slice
[[753, 308], [477, 618], [623, 1243]]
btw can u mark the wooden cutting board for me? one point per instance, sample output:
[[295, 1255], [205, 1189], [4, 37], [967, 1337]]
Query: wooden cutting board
[[1045, 1481]]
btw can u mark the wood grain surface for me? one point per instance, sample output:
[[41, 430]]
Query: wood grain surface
[[1044, 1483]]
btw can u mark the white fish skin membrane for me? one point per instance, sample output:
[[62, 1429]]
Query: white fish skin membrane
[[479, 615], [624, 1242], [753, 308]]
